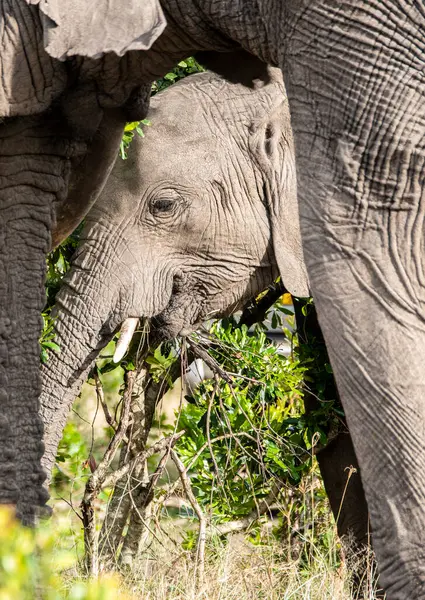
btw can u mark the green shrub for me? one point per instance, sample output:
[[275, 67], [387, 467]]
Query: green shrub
[[32, 566], [251, 430]]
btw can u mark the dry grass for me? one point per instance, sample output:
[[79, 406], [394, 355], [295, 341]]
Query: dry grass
[[242, 571]]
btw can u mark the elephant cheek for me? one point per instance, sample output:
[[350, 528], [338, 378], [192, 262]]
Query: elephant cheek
[[156, 283]]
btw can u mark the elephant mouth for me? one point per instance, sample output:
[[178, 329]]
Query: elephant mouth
[[161, 330], [164, 327], [172, 322], [184, 313]]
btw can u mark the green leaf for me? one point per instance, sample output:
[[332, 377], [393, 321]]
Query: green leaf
[[108, 367], [131, 126], [52, 346]]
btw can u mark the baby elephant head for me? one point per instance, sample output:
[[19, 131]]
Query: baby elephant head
[[201, 217]]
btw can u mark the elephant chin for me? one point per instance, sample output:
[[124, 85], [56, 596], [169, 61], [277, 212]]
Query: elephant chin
[[173, 323]]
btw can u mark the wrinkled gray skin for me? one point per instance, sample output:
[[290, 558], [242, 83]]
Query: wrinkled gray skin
[[57, 146], [354, 77], [182, 232]]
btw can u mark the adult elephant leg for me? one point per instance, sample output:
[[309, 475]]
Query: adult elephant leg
[[365, 265], [343, 485], [337, 461], [34, 169], [356, 97], [377, 350]]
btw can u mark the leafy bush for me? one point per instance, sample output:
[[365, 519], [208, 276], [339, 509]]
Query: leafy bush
[[31, 564], [249, 432], [184, 68]]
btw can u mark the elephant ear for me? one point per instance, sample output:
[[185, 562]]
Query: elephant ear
[[79, 27], [273, 148]]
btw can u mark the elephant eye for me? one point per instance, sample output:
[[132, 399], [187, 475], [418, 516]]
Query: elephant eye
[[162, 206]]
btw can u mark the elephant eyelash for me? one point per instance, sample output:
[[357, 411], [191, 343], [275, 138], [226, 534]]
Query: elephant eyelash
[[166, 207], [163, 205]]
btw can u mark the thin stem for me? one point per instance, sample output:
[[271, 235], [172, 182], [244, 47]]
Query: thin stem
[[201, 517]]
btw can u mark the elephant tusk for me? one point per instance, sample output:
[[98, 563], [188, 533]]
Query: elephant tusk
[[126, 333]]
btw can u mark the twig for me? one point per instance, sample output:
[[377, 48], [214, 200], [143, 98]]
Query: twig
[[200, 352], [210, 405], [141, 514], [170, 491], [97, 479], [158, 471], [201, 517], [256, 312], [120, 513], [254, 515], [146, 525], [71, 506], [101, 397]]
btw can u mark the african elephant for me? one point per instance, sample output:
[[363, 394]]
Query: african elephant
[[181, 232], [354, 77]]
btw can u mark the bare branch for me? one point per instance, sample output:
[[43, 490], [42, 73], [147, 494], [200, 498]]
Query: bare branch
[[196, 507], [261, 509], [101, 397], [256, 311], [96, 481], [135, 488], [170, 491], [202, 353], [158, 446], [210, 405]]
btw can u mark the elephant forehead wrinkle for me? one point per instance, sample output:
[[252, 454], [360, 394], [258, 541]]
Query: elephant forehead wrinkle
[[205, 98], [185, 167]]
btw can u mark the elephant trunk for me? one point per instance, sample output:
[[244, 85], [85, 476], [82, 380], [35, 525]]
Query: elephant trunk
[[106, 284], [83, 328], [25, 225]]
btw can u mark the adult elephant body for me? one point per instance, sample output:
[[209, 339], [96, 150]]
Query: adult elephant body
[[359, 124], [354, 76]]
